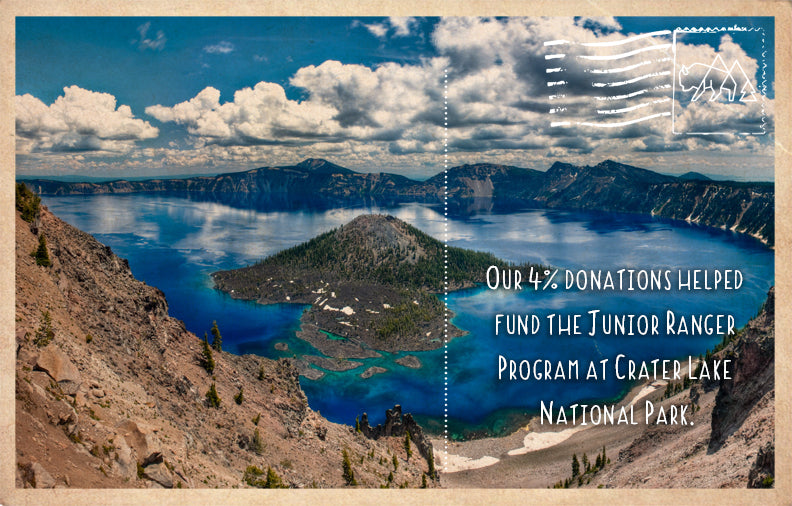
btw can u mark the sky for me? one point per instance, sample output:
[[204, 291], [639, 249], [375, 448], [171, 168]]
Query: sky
[[142, 97]]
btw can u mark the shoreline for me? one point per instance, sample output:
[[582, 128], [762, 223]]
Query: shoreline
[[532, 438]]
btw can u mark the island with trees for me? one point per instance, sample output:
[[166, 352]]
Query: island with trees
[[371, 284]]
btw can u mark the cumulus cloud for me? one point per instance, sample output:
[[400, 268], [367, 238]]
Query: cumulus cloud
[[156, 43], [609, 89], [79, 120], [599, 25], [499, 101], [499, 104], [222, 47], [345, 102]]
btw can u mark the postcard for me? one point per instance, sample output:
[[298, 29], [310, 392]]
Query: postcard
[[421, 249]]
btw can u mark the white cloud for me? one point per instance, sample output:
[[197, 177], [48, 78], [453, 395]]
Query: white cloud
[[398, 26], [498, 77], [222, 47], [498, 106], [79, 120], [498, 100], [345, 102], [599, 25], [378, 30], [402, 25], [145, 42]]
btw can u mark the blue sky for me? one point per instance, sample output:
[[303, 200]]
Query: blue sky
[[133, 97]]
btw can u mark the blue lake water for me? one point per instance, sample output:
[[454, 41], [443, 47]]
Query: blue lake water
[[174, 244]]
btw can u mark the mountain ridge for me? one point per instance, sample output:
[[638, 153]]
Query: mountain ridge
[[745, 208]]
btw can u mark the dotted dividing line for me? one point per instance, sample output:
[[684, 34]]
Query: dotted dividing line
[[445, 268]]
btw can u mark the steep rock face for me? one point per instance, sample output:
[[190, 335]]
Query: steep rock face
[[609, 186], [746, 208], [398, 425], [731, 439], [753, 378], [117, 396], [762, 473], [484, 180]]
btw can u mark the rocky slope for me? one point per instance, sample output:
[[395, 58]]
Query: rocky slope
[[732, 442], [746, 208], [111, 391], [729, 441]]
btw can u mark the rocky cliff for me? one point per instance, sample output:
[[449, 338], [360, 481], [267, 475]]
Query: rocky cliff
[[753, 378], [746, 208], [112, 392], [731, 439]]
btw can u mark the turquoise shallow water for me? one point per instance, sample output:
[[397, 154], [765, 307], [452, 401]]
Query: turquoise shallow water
[[174, 244]]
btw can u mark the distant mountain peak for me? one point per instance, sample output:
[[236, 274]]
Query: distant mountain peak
[[313, 162], [322, 166], [613, 164], [694, 176], [561, 166]]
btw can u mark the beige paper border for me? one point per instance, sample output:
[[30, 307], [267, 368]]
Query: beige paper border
[[781, 9]]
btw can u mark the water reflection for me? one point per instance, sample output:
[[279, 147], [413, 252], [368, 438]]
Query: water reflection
[[174, 242]]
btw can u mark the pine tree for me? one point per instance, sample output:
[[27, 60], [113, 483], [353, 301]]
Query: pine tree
[[423, 480], [407, 445], [208, 359], [349, 475], [217, 339], [586, 463], [45, 333], [431, 464], [27, 203], [212, 398], [604, 457], [42, 256], [257, 444], [575, 465], [273, 480], [240, 397]]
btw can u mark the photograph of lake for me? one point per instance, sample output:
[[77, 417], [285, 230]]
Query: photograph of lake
[[175, 244], [431, 252]]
